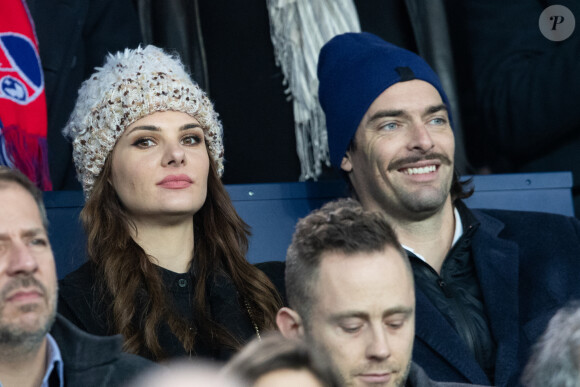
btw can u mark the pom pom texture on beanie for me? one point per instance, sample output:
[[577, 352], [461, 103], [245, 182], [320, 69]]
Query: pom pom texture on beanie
[[131, 85]]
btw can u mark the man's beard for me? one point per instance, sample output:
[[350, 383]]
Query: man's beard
[[402, 380], [419, 202], [16, 339], [347, 378]]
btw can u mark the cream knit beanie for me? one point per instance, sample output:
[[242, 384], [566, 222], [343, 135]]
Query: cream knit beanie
[[131, 85]]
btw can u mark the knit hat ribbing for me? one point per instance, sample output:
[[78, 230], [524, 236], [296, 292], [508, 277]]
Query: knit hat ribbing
[[131, 85], [353, 70]]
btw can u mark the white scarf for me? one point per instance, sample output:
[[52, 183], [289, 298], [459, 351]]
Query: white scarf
[[299, 29]]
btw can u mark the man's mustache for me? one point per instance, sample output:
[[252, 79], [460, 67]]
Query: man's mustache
[[23, 282], [400, 163]]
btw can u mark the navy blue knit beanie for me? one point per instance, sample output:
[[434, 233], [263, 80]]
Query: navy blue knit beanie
[[353, 70]]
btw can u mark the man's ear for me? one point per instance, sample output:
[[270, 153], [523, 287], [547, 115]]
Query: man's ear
[[346, 165], [289, 323]]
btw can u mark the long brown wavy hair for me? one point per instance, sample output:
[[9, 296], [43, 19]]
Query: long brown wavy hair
[[127, 278]]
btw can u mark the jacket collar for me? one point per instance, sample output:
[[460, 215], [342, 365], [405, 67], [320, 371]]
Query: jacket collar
[[77, 346], [497, 266], [496, 263]]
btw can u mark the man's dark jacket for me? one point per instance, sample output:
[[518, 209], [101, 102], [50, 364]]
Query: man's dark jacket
[[93, 360], [528, 266]]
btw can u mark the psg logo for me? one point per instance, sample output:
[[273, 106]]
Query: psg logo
[[21, 79]]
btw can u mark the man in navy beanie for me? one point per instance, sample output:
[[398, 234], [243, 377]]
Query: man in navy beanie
[[487, 281]]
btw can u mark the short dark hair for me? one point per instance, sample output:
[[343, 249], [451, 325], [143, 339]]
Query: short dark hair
[[342, 226], [275, 352], [9, 175]]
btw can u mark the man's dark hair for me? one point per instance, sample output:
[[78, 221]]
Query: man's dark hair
[[460, 189], [340, 226], [8, 175]]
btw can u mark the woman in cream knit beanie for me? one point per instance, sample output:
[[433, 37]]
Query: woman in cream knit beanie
[[132, 85], [166, 248]]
